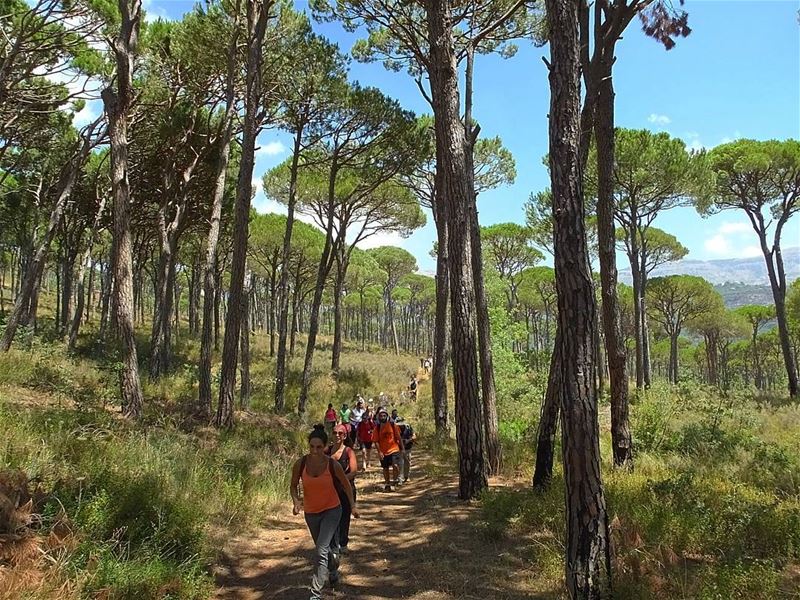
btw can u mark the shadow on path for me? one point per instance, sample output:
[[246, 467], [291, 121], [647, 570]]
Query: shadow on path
[[417, 543]]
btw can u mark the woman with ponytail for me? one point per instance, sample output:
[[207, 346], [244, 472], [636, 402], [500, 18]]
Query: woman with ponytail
[[322, 478]]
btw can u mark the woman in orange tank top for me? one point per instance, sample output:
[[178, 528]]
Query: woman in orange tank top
[[322, 477]]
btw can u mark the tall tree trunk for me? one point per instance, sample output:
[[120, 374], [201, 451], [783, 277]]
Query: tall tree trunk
[[636, 277], [588, 567], [163, 302], [622, 447], [87, 255], [338, 291], [257, 16], [210, 287], [646, 368], [245, 389], [323, 269], [548, 422], [488, 391], [20, 314], [673, 357], [117, 105], [777, 281], [283, 284], [451, 163]]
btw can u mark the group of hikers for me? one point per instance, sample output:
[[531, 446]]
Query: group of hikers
[[328, 474]]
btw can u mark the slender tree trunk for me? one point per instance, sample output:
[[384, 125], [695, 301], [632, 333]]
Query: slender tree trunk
[[451, 163], [325, 264], [777, 280], [673, 357], [488, 391], [117, 107], [78, 314], [588, 566], [244, 338], [548, 422], [257, 16], [338, 291], [637, 318], [622, 446], [283, 284], [646, 374], [210, 282]]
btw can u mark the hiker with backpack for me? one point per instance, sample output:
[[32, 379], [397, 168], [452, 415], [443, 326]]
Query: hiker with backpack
[[366, 433], [356, 415], [323, 478], [408, 436], [390, 446], [412, 387], [346, 457], [330, 420]]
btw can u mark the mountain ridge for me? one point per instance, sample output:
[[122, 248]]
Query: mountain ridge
[[750, 271]]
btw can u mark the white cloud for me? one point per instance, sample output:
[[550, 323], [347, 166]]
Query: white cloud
[[740, 227], [271, 149], [659, 119], [730, 240], [153, 12], [717, 244], [389, 238], [256, 183]]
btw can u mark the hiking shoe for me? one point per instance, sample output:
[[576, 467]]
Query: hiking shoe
[[387, 488], [334, 578]]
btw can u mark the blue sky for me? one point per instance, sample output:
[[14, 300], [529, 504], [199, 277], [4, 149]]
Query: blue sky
[[737, 75]]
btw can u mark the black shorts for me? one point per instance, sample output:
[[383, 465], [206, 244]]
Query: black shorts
[[367, 445], [391, 460]]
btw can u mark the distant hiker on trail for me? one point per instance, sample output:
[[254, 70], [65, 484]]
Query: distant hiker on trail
[[394, 416], [367, 432], [356, 415], [344, 416], [330, 421], [322, 478], [412, 387], [390, 445], [427, 364], [408, 436], [346, 457]]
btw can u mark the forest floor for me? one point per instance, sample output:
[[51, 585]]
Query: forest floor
[[417, 543]]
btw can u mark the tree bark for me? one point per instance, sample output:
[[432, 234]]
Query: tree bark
[[72, 337], [489, 394], [257, 17], [548, 422], [338, 291], [451, 162], [622, 446], [244, 338], [117, 105], [777, 280], [210, 287], [283, 284], [440, 344], [588, 567], [323, 269]]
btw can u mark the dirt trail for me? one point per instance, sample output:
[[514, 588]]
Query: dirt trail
[[416, 543]]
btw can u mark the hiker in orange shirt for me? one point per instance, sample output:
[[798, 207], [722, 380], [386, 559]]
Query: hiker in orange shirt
[[323, 480], [390, 447]]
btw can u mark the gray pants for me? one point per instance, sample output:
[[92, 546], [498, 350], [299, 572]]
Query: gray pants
[[323, 527], [406, 464]]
